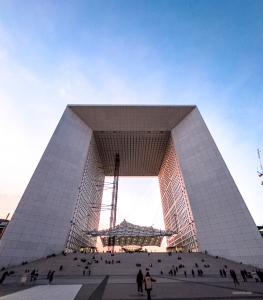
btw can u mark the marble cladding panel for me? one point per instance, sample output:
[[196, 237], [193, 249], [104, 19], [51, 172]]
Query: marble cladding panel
[[41, 222], [223, 223]]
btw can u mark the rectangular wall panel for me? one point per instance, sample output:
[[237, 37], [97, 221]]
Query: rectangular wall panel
[[224, 224], [41, 223]]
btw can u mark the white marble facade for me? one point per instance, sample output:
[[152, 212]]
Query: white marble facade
[[223, 222], [219, 216], [41, 223]]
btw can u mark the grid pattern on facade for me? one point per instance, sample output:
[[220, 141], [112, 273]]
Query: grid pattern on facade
[[141, 241], [141, 152], [85, 217], [176, 207]]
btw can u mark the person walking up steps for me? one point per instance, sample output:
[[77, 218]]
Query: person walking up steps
[[234, 276], [139, 280], [148, 284], [51, 277]]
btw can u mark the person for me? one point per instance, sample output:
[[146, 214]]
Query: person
[[35, 276], [61, 267], [185, 275], [148, 284], [243, 275], [3, 277], [174, 272], [193, 273], [260, 274], [32, 275], [84, 272], [49, 273], [234, 276], [221, 273], [255, 276], [245, 272], [139, 282], [51, 277], [224, 272], [89, 272]]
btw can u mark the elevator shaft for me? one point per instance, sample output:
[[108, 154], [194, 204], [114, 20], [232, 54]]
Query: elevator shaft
[[114, 199]]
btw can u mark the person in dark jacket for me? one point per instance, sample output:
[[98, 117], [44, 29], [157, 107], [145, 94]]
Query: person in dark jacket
[[3, 277], [148, 284], [234, 276], [51, 277], [243, 275], [139, 280], [32, 275]]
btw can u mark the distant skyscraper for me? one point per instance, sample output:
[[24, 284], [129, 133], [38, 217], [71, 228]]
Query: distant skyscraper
[[199, 196]]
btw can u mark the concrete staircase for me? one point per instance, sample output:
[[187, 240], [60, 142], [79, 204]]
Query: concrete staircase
[[128, 266]]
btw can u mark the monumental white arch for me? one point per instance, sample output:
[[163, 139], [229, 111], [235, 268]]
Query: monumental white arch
[[199, 196]]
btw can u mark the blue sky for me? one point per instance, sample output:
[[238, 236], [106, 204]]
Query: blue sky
[[54, 53]]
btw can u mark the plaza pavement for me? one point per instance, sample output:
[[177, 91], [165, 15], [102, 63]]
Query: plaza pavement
[[118, 281]]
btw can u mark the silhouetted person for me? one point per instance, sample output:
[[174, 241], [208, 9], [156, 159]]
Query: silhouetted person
[[35, 276], [224, 272], [84, 272], [148, 284], [245, 272], [32, 275], [139, 280], [3, 277], [193, 273], [243, 275], [185, 275], [48, 275], [234, 276], [61, 267], [51, 277], [221, 273]]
